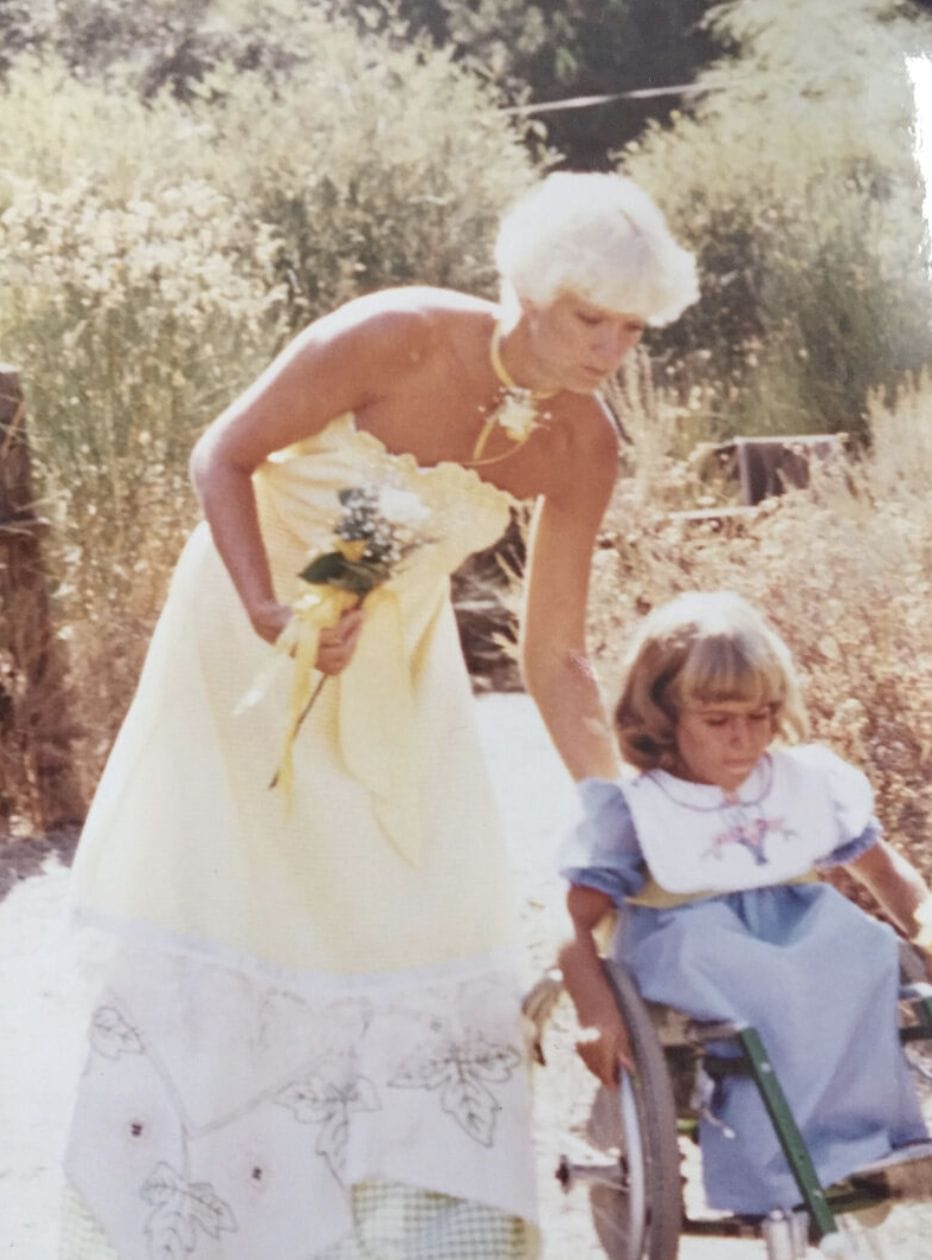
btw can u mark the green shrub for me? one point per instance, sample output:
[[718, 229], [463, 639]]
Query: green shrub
[[130, 324], [795, 181], [154, 258], [844, 571], [379, 167]]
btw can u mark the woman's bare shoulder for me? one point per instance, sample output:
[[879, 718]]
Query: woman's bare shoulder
[[405, 325], [584, 458], [409, 308]]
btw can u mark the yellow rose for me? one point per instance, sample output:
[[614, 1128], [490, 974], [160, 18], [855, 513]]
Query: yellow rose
[[351, 549]]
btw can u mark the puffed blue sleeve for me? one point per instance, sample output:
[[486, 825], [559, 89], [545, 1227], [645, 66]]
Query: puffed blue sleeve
[[851, 849], [602, 850], [853, 803]]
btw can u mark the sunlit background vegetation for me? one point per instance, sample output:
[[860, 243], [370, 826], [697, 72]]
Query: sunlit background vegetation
[[185, 183]]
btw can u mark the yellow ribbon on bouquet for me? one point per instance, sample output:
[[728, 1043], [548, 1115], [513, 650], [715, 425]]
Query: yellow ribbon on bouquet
[[376, 720], [319, 608]]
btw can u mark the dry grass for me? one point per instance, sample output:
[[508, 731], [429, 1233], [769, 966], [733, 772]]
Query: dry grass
[[843, 569]]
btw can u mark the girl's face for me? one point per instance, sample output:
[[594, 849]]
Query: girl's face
[[720, 742], [577, 345]]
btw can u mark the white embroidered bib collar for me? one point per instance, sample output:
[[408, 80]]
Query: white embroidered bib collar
[[796, 806]]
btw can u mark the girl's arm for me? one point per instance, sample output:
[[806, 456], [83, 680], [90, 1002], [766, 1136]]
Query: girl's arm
[[603, 1045], [898, 887], [556, 668]]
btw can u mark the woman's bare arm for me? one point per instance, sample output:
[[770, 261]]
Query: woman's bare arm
[[326, 371], [554, 659]]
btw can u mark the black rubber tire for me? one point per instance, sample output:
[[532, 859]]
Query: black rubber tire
[[656, 1112]]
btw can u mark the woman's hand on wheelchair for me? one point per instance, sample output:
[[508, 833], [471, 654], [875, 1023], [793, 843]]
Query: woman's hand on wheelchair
[[605, 1048]]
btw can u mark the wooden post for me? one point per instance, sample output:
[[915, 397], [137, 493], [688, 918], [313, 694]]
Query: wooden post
[[37, 779], [768, 465]]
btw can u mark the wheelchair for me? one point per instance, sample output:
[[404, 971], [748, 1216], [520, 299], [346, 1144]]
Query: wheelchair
[[636, 1148]]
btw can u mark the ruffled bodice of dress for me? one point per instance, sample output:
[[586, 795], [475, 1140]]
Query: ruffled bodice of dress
[[297, 491]]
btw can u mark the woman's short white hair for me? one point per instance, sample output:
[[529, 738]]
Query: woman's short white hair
[[598, 236]]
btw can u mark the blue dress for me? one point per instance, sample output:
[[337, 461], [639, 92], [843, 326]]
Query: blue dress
[[799, 962]]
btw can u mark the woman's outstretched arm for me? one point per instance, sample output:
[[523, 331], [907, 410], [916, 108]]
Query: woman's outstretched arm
[[554, 658], [317, 377]]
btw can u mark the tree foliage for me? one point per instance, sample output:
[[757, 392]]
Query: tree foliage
[[540, 52], [154, 254], [172, 45], [545, 52], [795, 180]]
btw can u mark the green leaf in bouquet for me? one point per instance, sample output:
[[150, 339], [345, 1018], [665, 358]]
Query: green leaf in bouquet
[[326, 569], [360, 577]]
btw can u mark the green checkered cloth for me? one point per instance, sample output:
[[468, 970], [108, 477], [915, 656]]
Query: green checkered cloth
[[81, 1239], [390, 1222], [398, 1222]]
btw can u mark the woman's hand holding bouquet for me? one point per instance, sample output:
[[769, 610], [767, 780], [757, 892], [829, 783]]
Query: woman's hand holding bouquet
[[378, 528]]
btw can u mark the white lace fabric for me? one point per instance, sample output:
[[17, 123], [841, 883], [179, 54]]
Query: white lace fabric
[[229, 1116]]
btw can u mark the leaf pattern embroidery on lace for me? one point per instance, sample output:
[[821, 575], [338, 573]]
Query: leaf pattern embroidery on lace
[[179, 1208], [462, 1071], [315, 1099], [112, 1035]]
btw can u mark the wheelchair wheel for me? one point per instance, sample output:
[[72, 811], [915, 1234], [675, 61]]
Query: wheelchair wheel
[[618, 1148], [640, 1218]]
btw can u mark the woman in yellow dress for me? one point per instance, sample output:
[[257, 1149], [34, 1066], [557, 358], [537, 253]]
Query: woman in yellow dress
[[308, 1044]]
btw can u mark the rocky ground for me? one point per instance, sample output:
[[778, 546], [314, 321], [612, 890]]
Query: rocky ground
[[43, 1002]]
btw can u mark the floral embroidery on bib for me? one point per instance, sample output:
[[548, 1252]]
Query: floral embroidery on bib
[[793, 809], [752, 834]]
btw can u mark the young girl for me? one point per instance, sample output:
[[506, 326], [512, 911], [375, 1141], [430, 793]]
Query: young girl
[[711, 850]]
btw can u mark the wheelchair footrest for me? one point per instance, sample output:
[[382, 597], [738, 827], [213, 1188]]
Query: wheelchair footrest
[[905, 1173]]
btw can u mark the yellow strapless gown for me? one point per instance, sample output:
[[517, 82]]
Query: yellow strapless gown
[[314, 993]]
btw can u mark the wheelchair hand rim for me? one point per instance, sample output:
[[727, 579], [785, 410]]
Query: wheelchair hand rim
[[634, 1158]]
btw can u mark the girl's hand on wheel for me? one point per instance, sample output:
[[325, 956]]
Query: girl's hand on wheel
[[606, 1049]]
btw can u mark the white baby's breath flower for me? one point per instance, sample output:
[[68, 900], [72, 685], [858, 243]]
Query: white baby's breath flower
[[401, 507]]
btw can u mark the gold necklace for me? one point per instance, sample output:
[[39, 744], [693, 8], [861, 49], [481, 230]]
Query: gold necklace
[[517, 412]]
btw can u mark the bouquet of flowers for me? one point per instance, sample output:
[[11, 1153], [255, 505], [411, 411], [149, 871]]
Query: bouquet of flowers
[[378, 527], [375, 532]]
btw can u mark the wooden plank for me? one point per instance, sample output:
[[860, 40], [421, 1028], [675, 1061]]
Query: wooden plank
[[37, 778], [770, 465]]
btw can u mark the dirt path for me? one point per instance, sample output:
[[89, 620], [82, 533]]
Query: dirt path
[[44, 1001]]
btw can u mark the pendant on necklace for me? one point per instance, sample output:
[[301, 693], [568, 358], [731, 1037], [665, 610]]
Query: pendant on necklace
[[517, 414]]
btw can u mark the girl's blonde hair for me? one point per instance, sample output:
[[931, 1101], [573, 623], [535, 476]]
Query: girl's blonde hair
[[701, 648], [599, 237]]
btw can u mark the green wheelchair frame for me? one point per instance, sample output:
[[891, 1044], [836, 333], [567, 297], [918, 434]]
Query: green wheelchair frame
[[636, 1186]]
